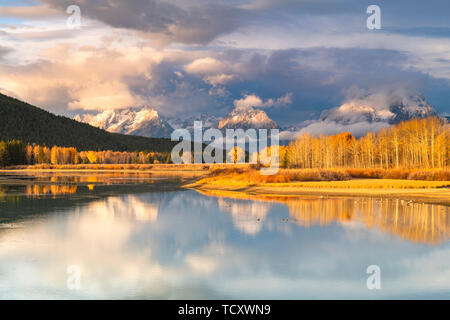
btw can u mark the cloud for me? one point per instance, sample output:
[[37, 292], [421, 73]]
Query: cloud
[[369, 110], [219, 79], [4, 51], [163, 21], [332, 127], [213, 71], [205, 66], [29, 12], [77, 79], [252, 100], [325, 54]]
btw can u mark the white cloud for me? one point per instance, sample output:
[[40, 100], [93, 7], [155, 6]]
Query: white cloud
[[333, 127], [252, 100], [219, 79], [205, 66], [29, 12]]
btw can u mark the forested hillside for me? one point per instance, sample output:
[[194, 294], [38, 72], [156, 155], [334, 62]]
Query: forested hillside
[[22, 121]]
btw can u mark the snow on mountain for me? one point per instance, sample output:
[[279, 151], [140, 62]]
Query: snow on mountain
[[246, 118], [392, 110], [370, 112], [139, 122], [208, 121]]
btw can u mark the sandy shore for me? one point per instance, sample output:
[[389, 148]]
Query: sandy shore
[[268, 190]]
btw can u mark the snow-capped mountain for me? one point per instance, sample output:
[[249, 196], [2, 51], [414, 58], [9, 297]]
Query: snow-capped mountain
[[246, 118], [208, 121], [391, 109], [139, 122], [370, 113]]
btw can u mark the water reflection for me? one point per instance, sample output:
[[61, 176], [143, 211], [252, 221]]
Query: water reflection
[[417, 222], [132, 242], [39, 190], [248, 216], [42, 177]]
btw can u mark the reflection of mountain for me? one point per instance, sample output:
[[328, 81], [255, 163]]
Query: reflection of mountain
[[416, 222], [247, 216]]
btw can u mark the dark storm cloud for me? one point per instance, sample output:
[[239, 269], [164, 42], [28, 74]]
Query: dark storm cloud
[[171, 94], [172, 21], [317, 77]]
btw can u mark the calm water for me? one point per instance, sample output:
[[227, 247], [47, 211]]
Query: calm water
[[138, 237]]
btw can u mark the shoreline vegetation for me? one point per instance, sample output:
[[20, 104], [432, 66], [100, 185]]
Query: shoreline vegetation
[[425, 185], [432, 185]]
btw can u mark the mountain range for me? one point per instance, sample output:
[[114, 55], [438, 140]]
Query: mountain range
[[352, 114], [146, 121], [392, 110], [138, 122], [369, 113]]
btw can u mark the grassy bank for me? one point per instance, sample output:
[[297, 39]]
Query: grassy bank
[[431, 185], [339, 182], [248, 176]]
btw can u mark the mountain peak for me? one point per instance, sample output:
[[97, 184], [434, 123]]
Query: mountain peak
[[139, 122], [246, 118], [370, 112], [378, 108]]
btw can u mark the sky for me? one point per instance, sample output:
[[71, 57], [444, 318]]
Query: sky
[[292, 58]]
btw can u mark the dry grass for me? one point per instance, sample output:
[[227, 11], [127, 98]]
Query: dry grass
[[407, 174], [332, 178], [371, 184], [283, 176]]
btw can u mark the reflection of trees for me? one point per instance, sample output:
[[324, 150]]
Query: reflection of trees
[[16, 204], [417, 222], [98, 177], [50, 189]]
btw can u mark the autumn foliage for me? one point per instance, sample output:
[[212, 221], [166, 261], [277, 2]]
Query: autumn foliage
[[418, 143]]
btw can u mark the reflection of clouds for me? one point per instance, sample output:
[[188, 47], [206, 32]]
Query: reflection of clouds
[[248, 216], [96, 238], [193, 251], [208, 260], [129, 207]]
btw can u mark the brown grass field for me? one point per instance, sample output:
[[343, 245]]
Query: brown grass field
[[434, 187]]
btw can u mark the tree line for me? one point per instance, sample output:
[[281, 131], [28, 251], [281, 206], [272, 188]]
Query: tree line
[[417, 143], [15, 152]]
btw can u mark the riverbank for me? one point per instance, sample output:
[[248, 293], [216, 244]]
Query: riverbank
[[241, 180], [240, 185], [168, 170], [435, 195]]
